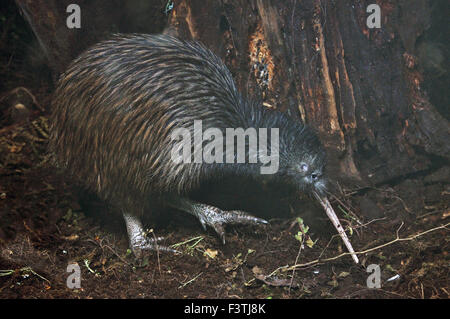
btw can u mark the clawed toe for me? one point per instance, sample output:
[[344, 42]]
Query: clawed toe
[[212, 216], [217, 219], [150, 244], [244, 218], [138, 239]]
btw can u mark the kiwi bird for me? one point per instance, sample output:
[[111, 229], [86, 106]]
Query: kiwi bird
[[118, 106]]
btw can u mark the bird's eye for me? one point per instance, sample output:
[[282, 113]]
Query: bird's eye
[[304, 167], [314, 176]]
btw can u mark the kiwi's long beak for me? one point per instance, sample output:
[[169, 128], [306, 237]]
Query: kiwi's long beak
[[323, 200]]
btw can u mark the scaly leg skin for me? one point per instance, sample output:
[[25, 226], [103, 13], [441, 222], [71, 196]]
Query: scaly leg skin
[[137, 238], [213, 216]]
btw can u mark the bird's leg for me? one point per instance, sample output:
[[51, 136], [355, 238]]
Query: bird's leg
[[138, 239], [212, 216]]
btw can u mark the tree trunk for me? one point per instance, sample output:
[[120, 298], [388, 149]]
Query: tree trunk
[[317, 60]]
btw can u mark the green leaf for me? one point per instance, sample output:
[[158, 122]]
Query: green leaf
[[310, 243]]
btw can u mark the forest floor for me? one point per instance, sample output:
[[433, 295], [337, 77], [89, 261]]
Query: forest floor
[[47, 224]]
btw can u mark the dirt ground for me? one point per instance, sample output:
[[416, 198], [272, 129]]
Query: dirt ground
[[48, 223]]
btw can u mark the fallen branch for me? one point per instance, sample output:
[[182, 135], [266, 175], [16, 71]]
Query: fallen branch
[[398, 239], [335, 220]]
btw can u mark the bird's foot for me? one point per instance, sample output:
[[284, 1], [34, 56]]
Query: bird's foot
[[140, 241], [217, 218]]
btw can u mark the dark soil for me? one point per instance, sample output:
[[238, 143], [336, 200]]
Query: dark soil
[[48, 223]]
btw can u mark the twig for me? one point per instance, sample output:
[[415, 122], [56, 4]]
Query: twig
[[102, 246], [198, 239], [157, 251], [188, 282], [398, 239], [31, 231], [323, 200], [9, 272], [117, 255], [360, 226], [33, 98], [344, 205], [296, 259]]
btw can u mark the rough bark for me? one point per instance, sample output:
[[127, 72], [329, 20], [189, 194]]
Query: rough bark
[[317, 60], [99, 18]]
